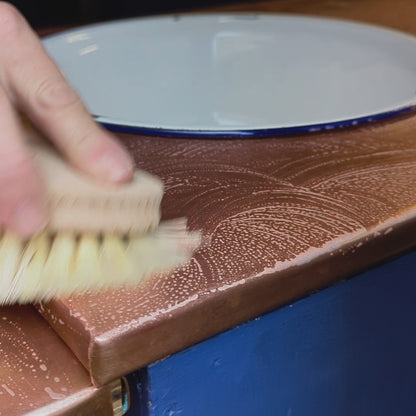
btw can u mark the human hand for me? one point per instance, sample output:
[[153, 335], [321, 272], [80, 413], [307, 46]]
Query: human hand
[[31, 83]]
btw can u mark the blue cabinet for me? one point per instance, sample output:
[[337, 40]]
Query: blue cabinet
[[347, 350]]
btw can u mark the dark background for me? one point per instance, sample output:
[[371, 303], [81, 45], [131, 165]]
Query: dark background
[[44, 13]]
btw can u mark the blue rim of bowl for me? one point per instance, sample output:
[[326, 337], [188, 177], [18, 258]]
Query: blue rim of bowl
[[253, 133]]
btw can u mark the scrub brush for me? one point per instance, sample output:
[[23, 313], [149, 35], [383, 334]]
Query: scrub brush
[[97, 237]]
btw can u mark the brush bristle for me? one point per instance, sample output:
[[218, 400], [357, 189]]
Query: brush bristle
[[61, 264]]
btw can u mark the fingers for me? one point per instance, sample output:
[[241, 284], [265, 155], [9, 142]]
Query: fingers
[[22, 207], [36, 86], [31, 82]]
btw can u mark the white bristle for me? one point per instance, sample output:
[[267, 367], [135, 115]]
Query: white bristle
[[10, 255], [87, 270], [31, 268], [58, 266], [114, 260], [62, 264]]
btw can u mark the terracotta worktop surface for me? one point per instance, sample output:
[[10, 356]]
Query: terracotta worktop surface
[[284, 216], [39, 375]]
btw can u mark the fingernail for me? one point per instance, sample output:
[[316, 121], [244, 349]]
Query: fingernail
[[115, 166], [27, 218]]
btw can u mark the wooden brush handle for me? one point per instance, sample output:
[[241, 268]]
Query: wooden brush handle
[[77, 203]]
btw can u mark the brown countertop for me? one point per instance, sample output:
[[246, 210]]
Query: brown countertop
[[38, 373], [285, 216]]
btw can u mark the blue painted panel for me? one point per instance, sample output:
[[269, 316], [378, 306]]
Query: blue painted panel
[[347, 350]]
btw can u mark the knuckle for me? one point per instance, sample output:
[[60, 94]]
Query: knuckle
[[87, 136], [11, 22], [55, 94], [84, 141]]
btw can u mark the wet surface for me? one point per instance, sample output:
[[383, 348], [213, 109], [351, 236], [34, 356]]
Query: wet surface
[[274, 210], [39, 373]]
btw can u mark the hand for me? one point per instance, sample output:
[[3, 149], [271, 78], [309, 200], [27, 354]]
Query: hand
[[31, 83]]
